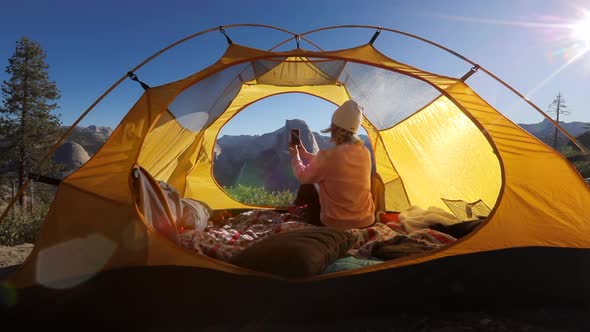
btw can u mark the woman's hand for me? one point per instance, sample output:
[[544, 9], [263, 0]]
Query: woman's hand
[[294, 151], [302, 148]]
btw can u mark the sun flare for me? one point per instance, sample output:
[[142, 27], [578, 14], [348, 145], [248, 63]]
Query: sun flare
[[581, 30]]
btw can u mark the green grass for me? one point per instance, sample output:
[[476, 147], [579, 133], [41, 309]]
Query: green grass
[[260, 196]]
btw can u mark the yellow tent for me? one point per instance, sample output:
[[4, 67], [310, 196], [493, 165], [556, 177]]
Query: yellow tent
[[433, 138]]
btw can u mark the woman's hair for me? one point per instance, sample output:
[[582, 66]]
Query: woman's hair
[[342, 136]]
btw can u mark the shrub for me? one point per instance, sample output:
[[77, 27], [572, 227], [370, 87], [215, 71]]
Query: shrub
[[21, 227], [582, 166], [259, 196]]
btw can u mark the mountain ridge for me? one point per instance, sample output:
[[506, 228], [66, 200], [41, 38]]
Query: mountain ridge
[[239, 151]]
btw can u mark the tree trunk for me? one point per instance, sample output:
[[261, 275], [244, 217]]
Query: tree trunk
[[22, 160], [13, 187], [21, 178], [32, 188], [557, 121]]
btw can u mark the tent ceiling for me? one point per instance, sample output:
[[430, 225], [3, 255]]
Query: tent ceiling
[[388, 97]]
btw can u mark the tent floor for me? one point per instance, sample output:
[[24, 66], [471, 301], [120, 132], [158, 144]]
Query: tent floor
[[545, 287]]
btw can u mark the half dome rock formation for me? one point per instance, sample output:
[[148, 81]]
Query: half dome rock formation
[[71, 155], [261, 160]]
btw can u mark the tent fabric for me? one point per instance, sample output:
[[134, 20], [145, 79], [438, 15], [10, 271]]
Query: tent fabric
[[433, 137]]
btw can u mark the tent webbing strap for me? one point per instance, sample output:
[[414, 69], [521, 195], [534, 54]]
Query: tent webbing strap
[[471, 71], [133, 77], [45, 179], [229, 41], [581, 157], [375, 35], [297, 39]]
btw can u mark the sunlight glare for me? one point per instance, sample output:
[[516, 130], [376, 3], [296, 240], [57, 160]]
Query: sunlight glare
[[581, 30]]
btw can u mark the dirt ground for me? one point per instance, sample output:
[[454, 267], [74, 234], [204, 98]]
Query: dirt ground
[[14, 255], [531, 319]]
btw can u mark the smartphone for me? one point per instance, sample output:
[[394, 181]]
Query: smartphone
[[295, 137]]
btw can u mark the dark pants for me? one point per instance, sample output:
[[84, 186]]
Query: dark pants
[[308, 195]]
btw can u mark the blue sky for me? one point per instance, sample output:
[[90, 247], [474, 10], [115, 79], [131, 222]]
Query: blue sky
[[91, 44]]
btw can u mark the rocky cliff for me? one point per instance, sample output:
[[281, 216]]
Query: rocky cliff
[[261, 160], [70, 155], [264, 160]]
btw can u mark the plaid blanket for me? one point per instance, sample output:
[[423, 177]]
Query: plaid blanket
[[223, 240], [392, 233], [240, 232]]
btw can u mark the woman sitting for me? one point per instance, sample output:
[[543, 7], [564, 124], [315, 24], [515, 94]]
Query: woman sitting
[[342, 174]]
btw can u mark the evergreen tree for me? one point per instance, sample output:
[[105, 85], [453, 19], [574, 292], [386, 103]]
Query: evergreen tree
[[557, 108], [26, 120]]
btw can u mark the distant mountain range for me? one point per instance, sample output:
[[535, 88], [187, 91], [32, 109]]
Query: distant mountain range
[[264, 160], [545, 131], [256, 159], [91, 138]]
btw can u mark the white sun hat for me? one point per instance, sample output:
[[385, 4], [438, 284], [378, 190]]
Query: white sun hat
[[348, 116]]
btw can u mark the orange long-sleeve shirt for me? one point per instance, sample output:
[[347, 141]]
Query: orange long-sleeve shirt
[[343, 174]]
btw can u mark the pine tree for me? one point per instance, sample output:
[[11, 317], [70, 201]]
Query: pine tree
[[557, 107], [26, 118]]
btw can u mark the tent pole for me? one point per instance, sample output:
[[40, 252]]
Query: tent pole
[[294, 36], [528, 101]]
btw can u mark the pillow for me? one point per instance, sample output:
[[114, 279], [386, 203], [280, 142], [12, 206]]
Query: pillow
[[296, 254], [195, 215]]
